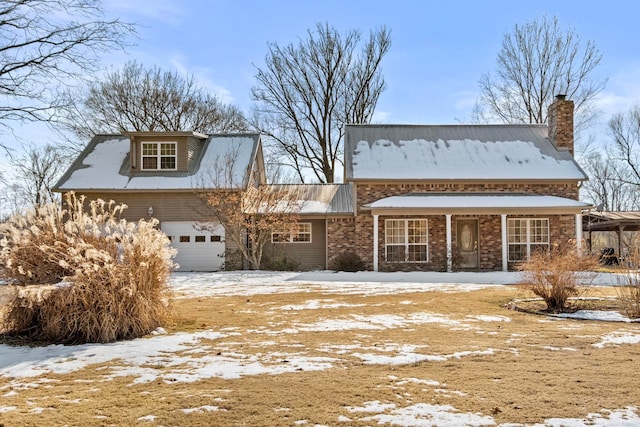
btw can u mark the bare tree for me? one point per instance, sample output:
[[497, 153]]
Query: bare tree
[[608, 186], [148, 99], [307, 92], [36, 172], [625, 130], [44, 43], [250, 211], [539, 60]]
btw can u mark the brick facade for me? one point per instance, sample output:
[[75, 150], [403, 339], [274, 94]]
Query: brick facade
[[561, 230], [370, 192], [561, 123]]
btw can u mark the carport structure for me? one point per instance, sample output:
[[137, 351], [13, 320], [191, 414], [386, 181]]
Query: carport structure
[[617, 222]]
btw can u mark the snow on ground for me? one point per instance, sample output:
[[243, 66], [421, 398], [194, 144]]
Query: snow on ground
[[183, 357], [363, 282]]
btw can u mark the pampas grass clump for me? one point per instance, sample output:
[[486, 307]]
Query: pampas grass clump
[[107, 277]]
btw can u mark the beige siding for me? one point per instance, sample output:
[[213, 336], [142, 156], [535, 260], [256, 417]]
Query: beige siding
[[167, 206], [311, 256]]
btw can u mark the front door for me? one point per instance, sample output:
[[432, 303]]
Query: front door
[[467, 233]]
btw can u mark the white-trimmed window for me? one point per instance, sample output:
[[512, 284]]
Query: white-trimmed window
[[303, 235], [406, 240], [159, 156], [526, 236]]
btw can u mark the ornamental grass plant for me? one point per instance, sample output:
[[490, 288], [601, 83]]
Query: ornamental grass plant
[[82, 274]]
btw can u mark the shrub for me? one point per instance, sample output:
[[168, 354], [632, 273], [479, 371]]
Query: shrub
[[629, 281], [280, 263], [109, 276], [557, 275], [347, 261]]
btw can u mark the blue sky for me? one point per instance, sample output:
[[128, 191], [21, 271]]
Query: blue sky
[[439, 51]]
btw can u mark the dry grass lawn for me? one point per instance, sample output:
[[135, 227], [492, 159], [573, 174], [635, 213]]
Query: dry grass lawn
[[512, 366]]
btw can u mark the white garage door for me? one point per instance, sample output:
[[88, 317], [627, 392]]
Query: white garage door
[[200, 246]]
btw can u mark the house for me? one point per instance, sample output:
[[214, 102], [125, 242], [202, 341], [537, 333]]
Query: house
[[155, 175], [416, 197]]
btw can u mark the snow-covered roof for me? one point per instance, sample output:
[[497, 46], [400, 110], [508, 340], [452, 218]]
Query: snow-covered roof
[[461, 152], [480, 203], [105, 165], [322, 199]]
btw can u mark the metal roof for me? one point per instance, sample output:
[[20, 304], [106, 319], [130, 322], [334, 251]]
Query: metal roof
[[612, 221], [455, 152], [322, 199], [105, 164]]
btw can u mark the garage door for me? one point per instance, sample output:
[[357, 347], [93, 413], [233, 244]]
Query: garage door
[[200, 246]]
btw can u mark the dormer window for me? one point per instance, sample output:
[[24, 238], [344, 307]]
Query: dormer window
[[159, 155]]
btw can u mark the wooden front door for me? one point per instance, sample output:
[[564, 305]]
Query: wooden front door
[[467, 240]]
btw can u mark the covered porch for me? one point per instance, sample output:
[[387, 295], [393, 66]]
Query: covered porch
[[479, 231], [616, 222]]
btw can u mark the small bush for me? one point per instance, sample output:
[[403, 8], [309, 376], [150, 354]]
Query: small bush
[[281, 263], [629, 281], [109, 276], [347, 261], [557, 275]]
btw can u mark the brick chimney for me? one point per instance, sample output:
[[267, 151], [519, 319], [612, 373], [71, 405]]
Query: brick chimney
[[560, 116]]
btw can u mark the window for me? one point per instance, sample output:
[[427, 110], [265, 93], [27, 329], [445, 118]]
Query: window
[[302, 236], [185, 239], [526, 236], [216, 238], [200, 239], [159, 155], [406, 240]]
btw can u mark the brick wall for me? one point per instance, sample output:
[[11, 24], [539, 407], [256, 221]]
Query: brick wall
[[341, 237], [560, 117], [370, 192], [561, 230]]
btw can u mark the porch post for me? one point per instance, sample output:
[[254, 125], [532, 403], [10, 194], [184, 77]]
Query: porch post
[[579, 233], [449, 255], [375, 242], [505, 242]]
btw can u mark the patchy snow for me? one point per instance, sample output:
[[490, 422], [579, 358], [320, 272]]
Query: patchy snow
[[201, 409], [627, 417], [459, 159], [190, 357], [422, 414], [484, 318], [607, 316], [249, 283], [101, 167], [618, 338]]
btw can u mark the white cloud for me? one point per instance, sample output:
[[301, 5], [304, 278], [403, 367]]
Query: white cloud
[[204, 77], [381, 117], [169, 12], [622, 91]]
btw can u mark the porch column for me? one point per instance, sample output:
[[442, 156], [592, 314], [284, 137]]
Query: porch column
[[579, 233], [505, 242], [449, 252], [375, 243]]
